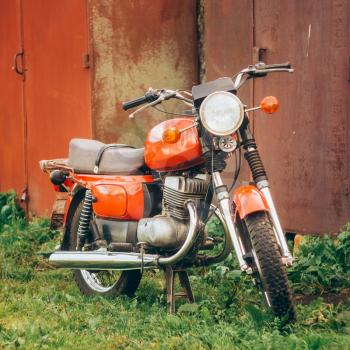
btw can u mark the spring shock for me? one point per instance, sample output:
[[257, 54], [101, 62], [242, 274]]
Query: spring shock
[[84, 220], [255, 163]]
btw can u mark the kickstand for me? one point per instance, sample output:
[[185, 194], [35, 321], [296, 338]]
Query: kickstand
[[170, 275]]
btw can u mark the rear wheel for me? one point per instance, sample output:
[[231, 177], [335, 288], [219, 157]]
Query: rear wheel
[[270, 270], [103, 282]]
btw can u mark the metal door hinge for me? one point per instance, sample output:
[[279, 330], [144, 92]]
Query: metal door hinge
[[86, 60]]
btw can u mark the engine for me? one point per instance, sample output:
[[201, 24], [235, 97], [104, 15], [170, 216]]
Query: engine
[[169, 230], [179, 189]]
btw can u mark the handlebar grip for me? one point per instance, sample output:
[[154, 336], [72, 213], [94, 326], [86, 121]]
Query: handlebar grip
[[150, 96], [278, 65], [134, 103]]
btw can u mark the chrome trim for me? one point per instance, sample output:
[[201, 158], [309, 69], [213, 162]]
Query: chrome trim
[[224, 204], [281, 239], [95, 260], [101, 260], [190, 239]]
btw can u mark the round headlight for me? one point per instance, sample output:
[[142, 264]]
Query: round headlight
[[221, 113]]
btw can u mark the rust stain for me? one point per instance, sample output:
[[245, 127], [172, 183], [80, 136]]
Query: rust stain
[[153, 47]]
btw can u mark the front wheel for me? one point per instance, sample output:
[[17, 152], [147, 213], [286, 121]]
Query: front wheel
[[270, 269]]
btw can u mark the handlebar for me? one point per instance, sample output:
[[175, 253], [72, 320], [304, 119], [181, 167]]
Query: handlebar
[[286, 65], [153, 97], [150, 96], [260, 69]]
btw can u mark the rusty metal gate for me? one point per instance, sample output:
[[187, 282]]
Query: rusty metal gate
[[48, 101], [131, 45], [137, 44], [305, 146]]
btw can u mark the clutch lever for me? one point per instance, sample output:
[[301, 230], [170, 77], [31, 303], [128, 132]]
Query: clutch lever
[[185, 100], [159, 100]]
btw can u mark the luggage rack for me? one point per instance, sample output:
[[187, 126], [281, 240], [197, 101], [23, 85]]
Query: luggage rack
[[52, 164]]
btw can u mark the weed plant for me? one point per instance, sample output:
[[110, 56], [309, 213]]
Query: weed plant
[[41, 308]]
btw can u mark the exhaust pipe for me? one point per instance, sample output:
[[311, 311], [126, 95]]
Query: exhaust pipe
[[102, 260]]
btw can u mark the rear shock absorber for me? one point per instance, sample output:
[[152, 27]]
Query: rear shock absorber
[[84, 220]]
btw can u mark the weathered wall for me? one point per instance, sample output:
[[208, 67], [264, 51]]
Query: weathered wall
[[306, 145], [227, 36], [40, 114], [12, 123], [137, 44]]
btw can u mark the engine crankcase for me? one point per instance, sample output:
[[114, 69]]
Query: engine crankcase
[[162, 232]]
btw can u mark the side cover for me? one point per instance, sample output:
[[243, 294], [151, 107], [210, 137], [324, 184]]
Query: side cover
[[117, 197]]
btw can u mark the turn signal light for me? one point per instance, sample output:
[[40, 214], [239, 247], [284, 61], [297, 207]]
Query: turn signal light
[[171, 135], [269, 104]]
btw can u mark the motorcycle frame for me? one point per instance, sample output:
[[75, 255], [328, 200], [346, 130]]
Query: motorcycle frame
[[246, 200]]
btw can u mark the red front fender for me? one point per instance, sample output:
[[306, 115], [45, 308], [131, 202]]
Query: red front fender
[[248, 199]]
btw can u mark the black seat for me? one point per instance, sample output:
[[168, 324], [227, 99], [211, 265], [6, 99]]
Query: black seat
[[94, 157]]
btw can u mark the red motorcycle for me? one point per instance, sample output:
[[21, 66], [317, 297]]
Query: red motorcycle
[[133, 209]]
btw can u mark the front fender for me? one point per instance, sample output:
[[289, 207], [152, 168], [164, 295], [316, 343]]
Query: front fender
[[248, 199]]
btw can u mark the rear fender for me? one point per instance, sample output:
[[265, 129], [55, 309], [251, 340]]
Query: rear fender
[[248, 199]]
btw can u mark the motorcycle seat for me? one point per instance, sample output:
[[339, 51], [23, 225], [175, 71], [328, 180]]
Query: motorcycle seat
[[94, 157]]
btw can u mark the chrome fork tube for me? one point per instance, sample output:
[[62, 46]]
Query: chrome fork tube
[[225, 208], [287, 258]]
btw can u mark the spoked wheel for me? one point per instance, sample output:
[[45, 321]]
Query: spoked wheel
[[270, 271], [102, 282]]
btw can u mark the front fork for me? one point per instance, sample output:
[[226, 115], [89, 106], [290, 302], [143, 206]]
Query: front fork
[[225, 208]]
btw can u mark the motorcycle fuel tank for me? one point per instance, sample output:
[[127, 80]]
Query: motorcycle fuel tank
[[182, 154]]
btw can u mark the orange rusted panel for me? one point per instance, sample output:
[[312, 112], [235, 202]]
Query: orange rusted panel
[[137, 44], [186, 152], [12, 159], [305, 145], [57, 87]]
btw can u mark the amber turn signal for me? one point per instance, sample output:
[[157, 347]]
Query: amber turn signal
[[269, 104], [171, 135]]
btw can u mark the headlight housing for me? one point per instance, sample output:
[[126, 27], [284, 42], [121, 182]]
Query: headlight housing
[[221, 113]]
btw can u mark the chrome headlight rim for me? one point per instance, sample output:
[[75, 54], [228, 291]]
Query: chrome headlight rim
[[235, 127]]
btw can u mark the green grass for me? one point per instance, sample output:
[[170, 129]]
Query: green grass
[[41, 308]]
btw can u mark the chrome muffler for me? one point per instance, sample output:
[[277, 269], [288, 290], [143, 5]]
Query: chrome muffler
[[103, 260]]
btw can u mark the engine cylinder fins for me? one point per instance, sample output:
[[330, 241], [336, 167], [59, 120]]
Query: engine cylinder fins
[[178, 190]]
